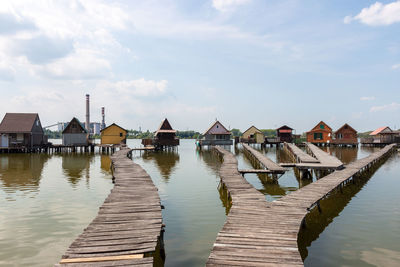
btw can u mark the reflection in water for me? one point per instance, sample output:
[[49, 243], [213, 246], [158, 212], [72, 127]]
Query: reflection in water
[[21, 172], [330, 208], [344, 154], [105, 163], [270, 184], [165, 160], [42, 211], [75, 165], [210, 159]]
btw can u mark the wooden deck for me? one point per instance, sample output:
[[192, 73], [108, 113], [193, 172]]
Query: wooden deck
[[258, 233], [323, 157], [299, 155], [128, 225], [304, 161], [263, 160]]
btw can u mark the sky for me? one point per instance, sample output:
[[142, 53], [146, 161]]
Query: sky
[[244, 62]]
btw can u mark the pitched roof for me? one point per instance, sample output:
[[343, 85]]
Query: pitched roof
[[380, 130], [344, 125], [18, 122], [317, 127], [114, 124], [254, 128], [284, 127], [165, 127], [78, 122], [209, 130]]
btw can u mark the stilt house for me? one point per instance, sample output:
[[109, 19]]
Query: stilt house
[[113, 135], [19, 130], [285, 134], [165, 135], [382, 135], [345, 135], [320, 134], [217, 134], [74, 134], [253, 136]]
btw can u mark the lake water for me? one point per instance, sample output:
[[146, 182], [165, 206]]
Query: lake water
[[47, 200]]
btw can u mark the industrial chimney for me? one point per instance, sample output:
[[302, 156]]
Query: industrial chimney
[[103, 121], [87, 124]]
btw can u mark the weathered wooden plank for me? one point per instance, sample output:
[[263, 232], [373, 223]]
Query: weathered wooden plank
[[128, 223]]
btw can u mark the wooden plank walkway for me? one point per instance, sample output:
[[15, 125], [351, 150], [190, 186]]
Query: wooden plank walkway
[[304, 161], [299, 155], [324, 158], [263, 160], [245, 239], [128, 225], [258, 233], [243, 171]]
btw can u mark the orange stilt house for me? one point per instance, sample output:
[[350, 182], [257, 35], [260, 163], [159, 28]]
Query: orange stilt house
[[320, 134], [346, 135]]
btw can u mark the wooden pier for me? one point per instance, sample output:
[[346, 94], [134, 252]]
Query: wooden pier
[[299, 155], [324, 158], [258, 233], [264, 161], [319, 161], [128, 226]]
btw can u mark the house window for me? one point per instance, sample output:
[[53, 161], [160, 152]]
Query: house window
[[37, 123], [317, 136], [217, 126], [74, 126], [120, 134], [322, 126]]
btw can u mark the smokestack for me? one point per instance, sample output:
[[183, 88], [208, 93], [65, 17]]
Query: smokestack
[[87, 114], [103, 121]]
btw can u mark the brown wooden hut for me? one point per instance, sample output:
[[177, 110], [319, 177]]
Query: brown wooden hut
[[345, 135], [21, 130], [74, 134], [381, 136], [165, 136], [320, 134], [285, 134]]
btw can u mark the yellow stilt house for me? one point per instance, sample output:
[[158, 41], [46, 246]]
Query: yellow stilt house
[[253, 136], [113, 135]]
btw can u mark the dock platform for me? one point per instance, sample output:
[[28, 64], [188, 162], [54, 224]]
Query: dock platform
[[258, 233], [263, 160], [128, 226], [324, 158], [299, 155]]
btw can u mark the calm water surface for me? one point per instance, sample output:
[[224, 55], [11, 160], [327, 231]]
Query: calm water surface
[[47, 200]]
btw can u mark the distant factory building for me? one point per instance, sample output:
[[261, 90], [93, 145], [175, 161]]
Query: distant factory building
[[21, 130], [74, 134], [113, 135]]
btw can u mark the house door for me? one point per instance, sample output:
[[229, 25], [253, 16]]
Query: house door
[[4, 140]]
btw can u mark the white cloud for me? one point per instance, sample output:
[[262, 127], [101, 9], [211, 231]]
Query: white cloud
[[227, 5], [389, 107], [396, 66], [367, 98], [378, 14], [140, 87], [83, 64], [7, 72]]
